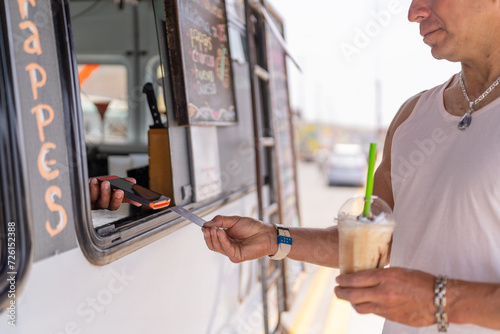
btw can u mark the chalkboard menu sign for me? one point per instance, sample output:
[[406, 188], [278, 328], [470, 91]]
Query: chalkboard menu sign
[[200, 62]]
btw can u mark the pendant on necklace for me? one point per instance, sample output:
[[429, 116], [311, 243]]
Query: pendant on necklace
[[465, 121], [467, 118]]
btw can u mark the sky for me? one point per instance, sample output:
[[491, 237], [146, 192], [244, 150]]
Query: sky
[[350, 52]]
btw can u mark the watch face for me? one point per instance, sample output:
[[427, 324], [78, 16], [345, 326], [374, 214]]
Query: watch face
[[282, 228]]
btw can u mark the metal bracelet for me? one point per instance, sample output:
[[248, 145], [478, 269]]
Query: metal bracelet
[[440, 302]]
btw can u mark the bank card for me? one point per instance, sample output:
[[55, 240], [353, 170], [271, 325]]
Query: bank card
[[188, 215]]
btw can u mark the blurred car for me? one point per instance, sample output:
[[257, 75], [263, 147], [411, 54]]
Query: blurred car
[[346, 165]]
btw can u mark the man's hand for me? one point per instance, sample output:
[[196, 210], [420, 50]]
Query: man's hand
[[101, 196], [400, 295], [240, 238]]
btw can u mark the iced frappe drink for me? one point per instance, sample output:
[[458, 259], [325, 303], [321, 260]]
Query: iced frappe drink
[[364, 242]]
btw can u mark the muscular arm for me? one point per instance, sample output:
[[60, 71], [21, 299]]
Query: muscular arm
[[473, 303], [382, 186], [317, 246], [247, 239], [243, 238], [406, 296], [320, 246]]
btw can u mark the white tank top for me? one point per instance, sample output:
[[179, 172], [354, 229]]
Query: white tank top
[[446, 187]]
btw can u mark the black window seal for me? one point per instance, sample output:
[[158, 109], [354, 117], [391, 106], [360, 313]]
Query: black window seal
[[13, 176]]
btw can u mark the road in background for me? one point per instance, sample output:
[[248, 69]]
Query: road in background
[[318, 202], [317, 310]]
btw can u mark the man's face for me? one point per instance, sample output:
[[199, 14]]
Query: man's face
[[454, 29]]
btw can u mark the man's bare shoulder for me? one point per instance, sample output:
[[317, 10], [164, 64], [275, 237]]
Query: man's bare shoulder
[[403, 113], [383, 183]]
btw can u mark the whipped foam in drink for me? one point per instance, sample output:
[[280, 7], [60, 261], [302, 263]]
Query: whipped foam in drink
[[363, 244]]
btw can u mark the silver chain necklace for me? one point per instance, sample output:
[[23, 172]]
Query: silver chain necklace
[[467, 118]]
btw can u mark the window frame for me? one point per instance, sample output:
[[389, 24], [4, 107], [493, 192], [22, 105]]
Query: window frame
[[112, 241]]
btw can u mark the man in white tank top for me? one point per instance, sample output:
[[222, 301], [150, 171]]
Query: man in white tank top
[[441, 174]]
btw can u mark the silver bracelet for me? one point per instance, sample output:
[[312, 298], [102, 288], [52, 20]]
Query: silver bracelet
[[440, 302]]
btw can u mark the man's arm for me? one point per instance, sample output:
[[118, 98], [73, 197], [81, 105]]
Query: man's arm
[[382, 186], [317, 246], [473, 303], [243, 238], [407, 296]]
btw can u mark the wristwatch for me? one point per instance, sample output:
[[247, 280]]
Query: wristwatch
[[284, 243]]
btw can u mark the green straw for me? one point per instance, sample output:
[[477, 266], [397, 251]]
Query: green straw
[[369, 181]]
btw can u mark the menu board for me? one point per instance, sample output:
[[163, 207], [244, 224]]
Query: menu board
[[200, 62]]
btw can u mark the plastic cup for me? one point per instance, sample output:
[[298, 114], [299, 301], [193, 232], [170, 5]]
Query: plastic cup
[[364, 242]]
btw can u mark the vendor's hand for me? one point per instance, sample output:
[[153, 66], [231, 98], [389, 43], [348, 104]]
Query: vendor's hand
[[240, 238], [102, 197], [400, 295]]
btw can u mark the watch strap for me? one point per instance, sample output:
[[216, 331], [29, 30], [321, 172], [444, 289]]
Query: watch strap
[[284, 243]]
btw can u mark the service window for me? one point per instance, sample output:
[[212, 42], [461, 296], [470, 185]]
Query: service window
[[120, 48]]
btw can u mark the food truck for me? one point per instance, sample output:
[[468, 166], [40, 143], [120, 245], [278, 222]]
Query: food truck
[[190, 98]]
